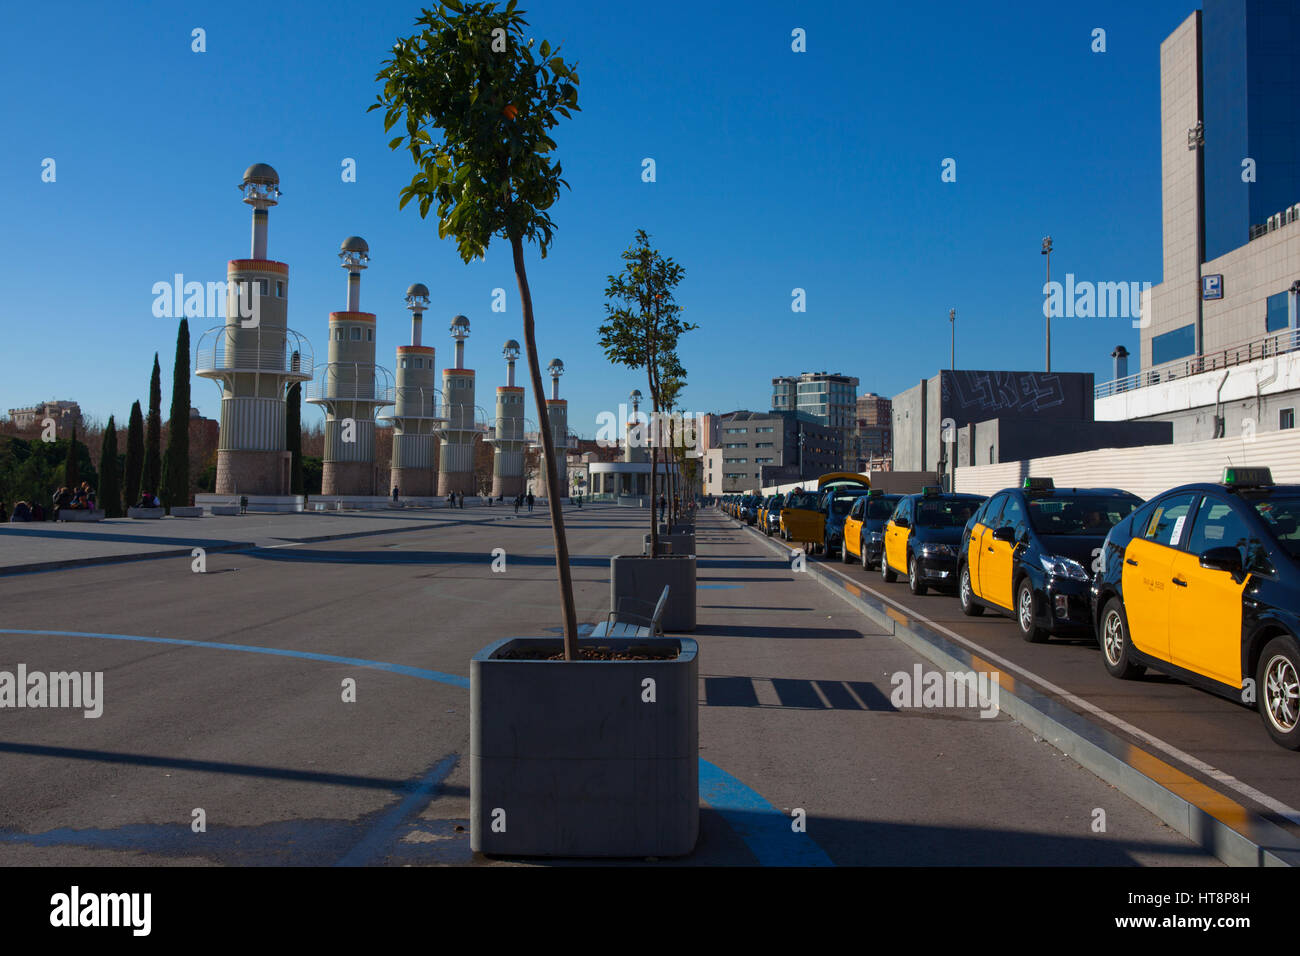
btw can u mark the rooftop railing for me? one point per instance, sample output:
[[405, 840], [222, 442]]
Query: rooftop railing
[[1276, 343]]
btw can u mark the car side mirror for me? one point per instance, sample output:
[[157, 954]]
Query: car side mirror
[[1222, 559], [900, 523], [1004, 533]]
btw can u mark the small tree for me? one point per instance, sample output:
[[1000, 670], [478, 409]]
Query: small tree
[[134, 457], [293, 437], [153, 432], [71, 467], [641, 330], [176, 463], [478, 103], [110, 490]]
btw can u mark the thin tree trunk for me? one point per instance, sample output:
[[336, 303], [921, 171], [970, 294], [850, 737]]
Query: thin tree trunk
[[548, 449]]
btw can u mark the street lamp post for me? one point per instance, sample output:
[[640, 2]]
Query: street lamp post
[[952, 320], [1195, 142], [1047, 302]]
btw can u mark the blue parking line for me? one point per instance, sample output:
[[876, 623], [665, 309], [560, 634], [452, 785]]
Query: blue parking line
[[764, 829], [381, 834]]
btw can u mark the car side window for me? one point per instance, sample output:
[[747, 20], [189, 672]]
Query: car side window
[[856, 512], [1013, 516], [993, 510], [1218, 525], [1167, 524]]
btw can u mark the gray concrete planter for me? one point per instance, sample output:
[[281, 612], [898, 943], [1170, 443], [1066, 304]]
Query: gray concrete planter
[[643, 577], [671, 544], [567, 759]]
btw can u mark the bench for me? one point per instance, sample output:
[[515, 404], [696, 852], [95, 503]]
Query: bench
[[80, 514], [141, 513], [623, 623], [223, 509], [186, 512]]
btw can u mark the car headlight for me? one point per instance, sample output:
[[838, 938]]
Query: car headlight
[[1061, 567], [937, 550], [876, 537]]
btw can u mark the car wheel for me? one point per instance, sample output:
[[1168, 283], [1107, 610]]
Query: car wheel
[[827, 548], [844, 552], [1115, 643], [969, 606], [1277, 682], [1025, 613], [914, 582], [886, 571], [862, 553]]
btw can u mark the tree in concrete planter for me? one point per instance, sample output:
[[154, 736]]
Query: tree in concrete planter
[[477, 101], [110, 491], [673, 382], [134, 457], [642, 326]]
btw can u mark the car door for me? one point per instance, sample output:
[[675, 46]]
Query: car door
[[1205, 605], [979, 532], [997, 558], [896, 537], [1148, 572], [853, 527]]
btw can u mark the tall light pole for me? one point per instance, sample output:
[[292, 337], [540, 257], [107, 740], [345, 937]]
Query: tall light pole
[[1047, 302], [952, 320], [1195, 143]]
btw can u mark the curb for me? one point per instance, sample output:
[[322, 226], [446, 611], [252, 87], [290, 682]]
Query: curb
[[1218, 823]]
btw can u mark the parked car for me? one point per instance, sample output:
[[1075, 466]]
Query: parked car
[[864, 528]]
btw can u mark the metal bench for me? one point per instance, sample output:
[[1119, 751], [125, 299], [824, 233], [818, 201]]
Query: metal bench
[[625, 623]]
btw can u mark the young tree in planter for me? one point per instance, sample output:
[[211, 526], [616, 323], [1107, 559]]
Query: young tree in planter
[[293, 437], [477, 101], [153, 433], [110, 491], [673, 382], [176, 463], [134, 457], [641, 330]]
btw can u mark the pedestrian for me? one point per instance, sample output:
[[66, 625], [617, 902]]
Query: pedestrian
[[531, 499], [517, 502], [394, 494], [243, 504]]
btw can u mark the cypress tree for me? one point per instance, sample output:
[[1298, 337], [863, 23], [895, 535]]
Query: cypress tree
[[71, 474], [153, 433], [176, 463], [134, 457], [293, 437], [110, 492]]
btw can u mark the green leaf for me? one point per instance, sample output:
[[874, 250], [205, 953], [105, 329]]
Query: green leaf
[[394, 143]]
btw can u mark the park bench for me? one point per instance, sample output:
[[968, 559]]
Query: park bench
[[625, 623], [80, 514]]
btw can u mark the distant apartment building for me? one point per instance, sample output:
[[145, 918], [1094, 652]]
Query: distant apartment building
[[64, 415], [763, 448], [873, 436], [827, 398]]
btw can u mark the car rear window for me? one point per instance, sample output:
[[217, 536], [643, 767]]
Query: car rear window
[[1080, 515]]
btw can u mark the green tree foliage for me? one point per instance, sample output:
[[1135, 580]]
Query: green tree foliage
[[477, 101], [175, 480], [642, 325], [134, 457], [293, 436], [71, 466], [110, 487], [152, 474]]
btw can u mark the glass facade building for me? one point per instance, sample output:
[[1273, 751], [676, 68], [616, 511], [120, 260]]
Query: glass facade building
[[1250, 85]]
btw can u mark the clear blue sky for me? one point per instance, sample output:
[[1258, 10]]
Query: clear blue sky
[[775, 170]]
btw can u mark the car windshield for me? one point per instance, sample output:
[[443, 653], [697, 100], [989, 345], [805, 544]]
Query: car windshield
[[842, 503], [802, 499], [1080, 515], [881, 508], [944, 512], [1282, 515]]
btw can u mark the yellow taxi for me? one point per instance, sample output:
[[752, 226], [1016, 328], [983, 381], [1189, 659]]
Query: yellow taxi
[[922, 538]]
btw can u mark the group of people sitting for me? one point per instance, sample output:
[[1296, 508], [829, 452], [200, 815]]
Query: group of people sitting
[[80, 498], [23, 511]]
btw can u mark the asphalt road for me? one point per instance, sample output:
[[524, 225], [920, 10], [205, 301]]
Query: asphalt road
[[257, 735]]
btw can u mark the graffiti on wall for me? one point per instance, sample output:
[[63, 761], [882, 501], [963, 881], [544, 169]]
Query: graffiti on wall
[[976, 395]]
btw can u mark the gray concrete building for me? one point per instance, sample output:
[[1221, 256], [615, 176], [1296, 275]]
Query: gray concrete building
[[763, 448], [828, 398]]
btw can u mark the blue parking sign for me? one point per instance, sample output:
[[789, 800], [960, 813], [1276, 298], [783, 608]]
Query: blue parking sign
[[1212, 287]]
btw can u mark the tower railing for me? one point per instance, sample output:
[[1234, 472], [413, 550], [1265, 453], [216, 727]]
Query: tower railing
[[350, 382], [415, 402], [281, 352]]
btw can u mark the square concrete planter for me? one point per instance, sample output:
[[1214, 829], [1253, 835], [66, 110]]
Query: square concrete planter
[[151, 514], [643, 578], [568, 758]]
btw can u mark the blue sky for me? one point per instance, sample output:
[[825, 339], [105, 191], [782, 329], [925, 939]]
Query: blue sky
[[775, 170]]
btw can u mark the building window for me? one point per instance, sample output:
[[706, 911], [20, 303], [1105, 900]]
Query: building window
[[356, 333], [1286, 418], [338, 335], [419, 363], [403, 363], [370, 335], [1177, 344], [1278, 316], [279, 288]]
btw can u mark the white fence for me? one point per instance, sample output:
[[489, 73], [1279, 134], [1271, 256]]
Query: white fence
[[1148, 469]]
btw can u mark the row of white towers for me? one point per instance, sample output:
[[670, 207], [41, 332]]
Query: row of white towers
[[255, 363]]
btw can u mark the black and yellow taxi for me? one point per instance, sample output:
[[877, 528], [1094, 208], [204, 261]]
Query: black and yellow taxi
[[864, 528], [1203, 583], [801, 517], [836, 504], [1031, 551], [922, 537], [769, 518]]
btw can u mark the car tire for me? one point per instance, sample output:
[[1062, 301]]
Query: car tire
[[966, 594], [1115, 642], [1026, 612], [886, 571], [862, 553], [914, 582], [1277, 684], [844, 552]]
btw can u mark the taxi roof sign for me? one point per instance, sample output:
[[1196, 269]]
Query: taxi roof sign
[[1236, 477], [875, 492], [930, 490], [1038, 484]]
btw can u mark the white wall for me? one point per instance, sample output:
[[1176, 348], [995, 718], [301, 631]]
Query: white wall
[[1146, 470]]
